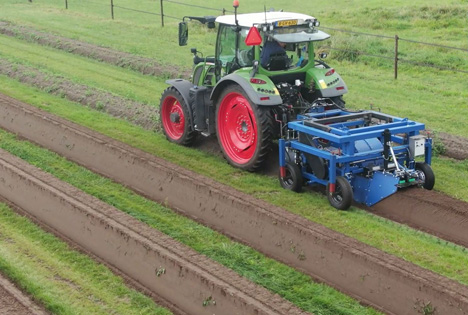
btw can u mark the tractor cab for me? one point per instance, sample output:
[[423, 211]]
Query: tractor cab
[[263, 74]]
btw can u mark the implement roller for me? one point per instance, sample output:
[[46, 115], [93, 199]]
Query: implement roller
[[363, 156]]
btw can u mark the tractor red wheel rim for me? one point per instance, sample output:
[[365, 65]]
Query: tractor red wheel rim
[[237, 128], [174, 127]]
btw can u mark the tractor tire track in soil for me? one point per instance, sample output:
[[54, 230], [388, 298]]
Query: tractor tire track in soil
[[121, 59], [189, 281], [386, 282], [15, 302], [455, 147]]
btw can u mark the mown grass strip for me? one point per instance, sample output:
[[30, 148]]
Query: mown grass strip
[[411, 96], [123, 82], [419, 248], [63, 280], [277, 277]]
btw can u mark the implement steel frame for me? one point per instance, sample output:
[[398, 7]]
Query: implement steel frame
[[334, 127]]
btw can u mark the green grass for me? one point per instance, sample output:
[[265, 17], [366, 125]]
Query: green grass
[[437, 98], [61, 279], [281, 279], [125, 83], [446, 101], [429, 252]]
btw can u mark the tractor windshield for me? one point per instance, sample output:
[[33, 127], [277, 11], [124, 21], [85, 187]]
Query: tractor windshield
[[226, 48]]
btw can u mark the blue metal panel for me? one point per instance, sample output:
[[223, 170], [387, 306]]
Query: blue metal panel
[[373, 189]]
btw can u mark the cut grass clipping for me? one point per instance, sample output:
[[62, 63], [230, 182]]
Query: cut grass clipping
[[424, 250], [63, 280]]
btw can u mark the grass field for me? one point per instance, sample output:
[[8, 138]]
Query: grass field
[[437, 98], [414, 246], [61, 279]]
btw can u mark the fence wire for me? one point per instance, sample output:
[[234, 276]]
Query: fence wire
[[434, 45], [422, 64], [136, 10], [359, 53], [357, 33], [197, 6]]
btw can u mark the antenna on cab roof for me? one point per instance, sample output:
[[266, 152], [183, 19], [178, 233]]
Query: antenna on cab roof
[[235, 4]]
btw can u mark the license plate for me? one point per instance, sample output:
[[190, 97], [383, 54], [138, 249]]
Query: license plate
[[287, 23]]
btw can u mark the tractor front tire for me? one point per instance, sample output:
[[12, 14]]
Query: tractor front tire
[[175, 118], [426, 174], [342, 198], [244, 130]]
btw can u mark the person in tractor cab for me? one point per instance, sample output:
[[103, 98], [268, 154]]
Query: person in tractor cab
[[273, 55]]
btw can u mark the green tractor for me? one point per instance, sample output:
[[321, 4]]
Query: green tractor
[[247, 93]]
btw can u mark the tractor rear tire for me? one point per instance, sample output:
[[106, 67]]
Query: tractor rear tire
[[293, 179], [342, 198], [244, 129], [175, 118], [429, 177]]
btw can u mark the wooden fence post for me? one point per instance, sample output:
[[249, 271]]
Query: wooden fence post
[[162, 13], [66, 4], [112, 9], [396, 56]]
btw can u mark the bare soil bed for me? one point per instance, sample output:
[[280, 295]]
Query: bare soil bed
[[15, 302], [324, 254], [455, 147], [140, 114], [189, 282]]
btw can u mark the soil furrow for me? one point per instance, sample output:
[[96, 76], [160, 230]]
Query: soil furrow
[[429, 211], [122, 59], [15, 302], [354, 268], [139, 114], [173, 271]]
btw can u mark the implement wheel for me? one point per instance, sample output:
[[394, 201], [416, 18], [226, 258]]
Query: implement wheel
[[244, 129], [175, 118], [426, 174], [342, 198], [293, 177]]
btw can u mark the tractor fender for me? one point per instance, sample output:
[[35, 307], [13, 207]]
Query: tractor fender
[[332, 91], [183, 87], [248, 88], [325, 88]]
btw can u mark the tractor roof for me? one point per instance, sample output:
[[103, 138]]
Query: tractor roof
[[281, 31], [251, 19]]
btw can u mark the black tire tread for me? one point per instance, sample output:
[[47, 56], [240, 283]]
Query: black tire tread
[[428, 173], [189, 137], [347, 194]]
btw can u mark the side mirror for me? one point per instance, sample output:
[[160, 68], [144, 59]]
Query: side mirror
[[183, 33], [323, 55]]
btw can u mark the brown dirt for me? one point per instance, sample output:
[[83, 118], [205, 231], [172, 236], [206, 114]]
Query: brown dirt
[[429, 211], [374, 277], [190, 281], [455, 147], [15, 302], [139, 114], [125, 60]]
